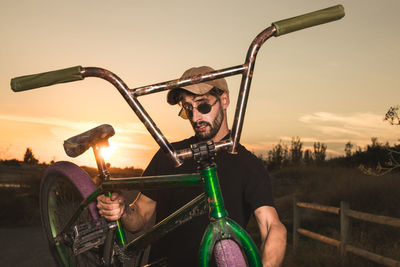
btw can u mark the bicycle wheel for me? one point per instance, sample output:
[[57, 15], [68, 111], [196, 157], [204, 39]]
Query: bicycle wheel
[[62, 189], [228, 254]]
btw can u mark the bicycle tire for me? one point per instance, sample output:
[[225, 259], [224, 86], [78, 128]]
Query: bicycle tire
[[227, 253], [63, 187]]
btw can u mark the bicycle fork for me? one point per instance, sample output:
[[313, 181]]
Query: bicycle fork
[[221, 227]]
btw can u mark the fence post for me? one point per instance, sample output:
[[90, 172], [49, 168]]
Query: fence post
[[344, 228], [296, 223]]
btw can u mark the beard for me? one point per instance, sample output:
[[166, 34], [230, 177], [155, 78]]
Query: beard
[[215, 125]]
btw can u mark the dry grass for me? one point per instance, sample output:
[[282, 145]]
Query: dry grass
[[20, 206], [324, 185], [329, 186]]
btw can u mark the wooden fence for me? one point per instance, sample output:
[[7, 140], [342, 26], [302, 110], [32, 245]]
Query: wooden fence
[[345, 214]]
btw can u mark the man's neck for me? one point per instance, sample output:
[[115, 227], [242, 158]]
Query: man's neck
[[223, 131]]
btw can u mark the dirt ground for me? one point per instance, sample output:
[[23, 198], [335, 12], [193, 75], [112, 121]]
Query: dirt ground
[[24, 247]]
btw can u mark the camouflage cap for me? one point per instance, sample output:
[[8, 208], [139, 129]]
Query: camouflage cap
[[199, 88]]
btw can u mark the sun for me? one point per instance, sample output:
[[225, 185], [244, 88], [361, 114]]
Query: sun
[[107, 152]]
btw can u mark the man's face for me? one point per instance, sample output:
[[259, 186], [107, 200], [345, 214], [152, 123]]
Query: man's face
[[205, 126]]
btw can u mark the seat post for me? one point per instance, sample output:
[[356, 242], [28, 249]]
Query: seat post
[[104, 174]]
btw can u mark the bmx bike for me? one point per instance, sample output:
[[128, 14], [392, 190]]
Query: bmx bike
[[78, 236]]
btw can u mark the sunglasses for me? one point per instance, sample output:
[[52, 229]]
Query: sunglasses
[[204, 108]]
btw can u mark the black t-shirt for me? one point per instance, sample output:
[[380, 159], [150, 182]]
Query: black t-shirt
[[245, 186]]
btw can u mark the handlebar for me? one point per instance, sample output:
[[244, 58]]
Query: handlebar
[[282, 27], [130, 95], [33, 81], [308, 20]]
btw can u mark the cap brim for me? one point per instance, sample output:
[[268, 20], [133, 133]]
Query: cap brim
[[197, 89]]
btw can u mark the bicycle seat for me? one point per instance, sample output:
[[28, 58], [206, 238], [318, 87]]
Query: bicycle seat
[[78, 144]]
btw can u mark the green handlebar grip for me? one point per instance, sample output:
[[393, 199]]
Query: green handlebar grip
[[308, 20], [46, 79]]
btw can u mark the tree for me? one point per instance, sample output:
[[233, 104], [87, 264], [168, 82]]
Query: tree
[[278, 156], [392, 115], [29, 158], [308, 158], [296, 150], [347, 149], [374, 143], [319, 152], [393, 161]]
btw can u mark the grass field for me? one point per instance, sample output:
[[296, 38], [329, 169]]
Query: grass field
[[323, 185], [329, 186], [19, 194]]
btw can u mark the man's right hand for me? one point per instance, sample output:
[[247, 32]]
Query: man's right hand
[[111, 208]]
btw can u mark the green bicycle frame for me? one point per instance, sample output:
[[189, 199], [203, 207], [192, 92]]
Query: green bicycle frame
[[211, 201]]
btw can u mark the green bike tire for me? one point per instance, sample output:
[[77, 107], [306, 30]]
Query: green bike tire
[[63, 188]]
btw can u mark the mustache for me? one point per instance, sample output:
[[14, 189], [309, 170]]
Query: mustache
[[200, 124]]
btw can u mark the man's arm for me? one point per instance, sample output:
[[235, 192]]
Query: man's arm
[[134, 218], [273, 236]]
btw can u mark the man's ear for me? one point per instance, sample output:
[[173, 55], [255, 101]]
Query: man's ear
[[225, 100]]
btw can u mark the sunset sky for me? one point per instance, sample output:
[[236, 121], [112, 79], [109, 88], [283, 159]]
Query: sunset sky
[[332, 83]]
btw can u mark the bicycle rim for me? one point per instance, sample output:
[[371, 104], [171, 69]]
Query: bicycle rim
[[59, 200]]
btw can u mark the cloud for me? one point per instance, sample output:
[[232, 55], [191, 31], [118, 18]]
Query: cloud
[[132, 127], [45, 120], [365, 120], [334, 130], [63, 129], [135, 146], [336, 127], [337, 131], [259, 147], [136, 128]]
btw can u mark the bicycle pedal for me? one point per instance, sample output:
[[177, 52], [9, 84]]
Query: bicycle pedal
[[90, 235]]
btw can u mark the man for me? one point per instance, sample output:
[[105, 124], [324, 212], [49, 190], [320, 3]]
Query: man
[[244, 182]]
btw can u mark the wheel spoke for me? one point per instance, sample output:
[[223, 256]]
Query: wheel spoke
[[61, 200]]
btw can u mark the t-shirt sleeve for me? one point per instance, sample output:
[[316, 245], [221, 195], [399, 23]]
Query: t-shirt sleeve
[[258, 189], [153, 169]]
